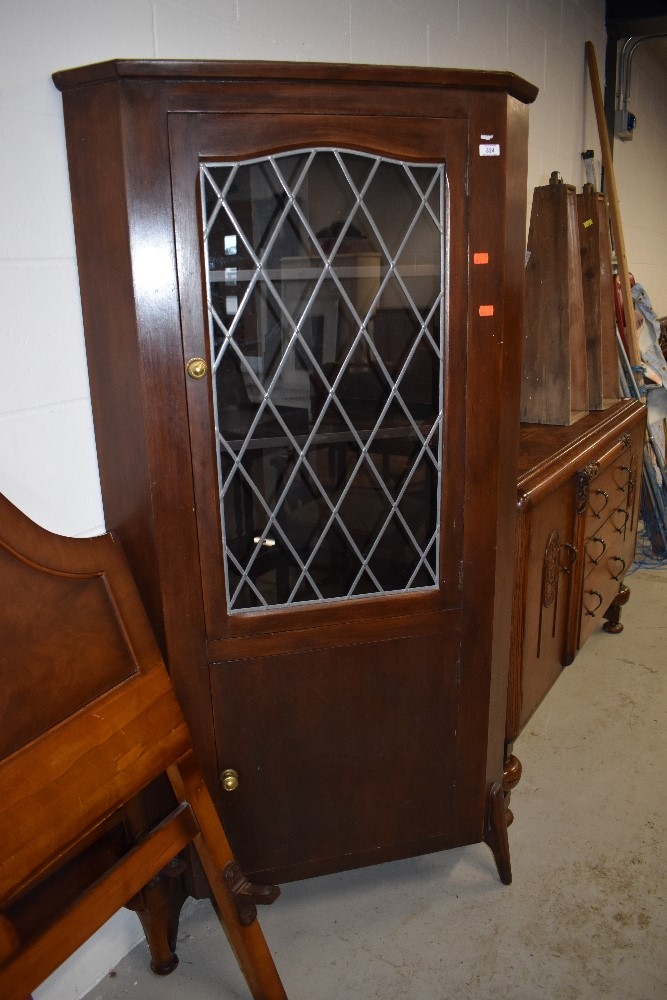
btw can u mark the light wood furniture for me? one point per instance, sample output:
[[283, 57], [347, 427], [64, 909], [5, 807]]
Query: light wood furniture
[[554, 379], [89, 720], [598, 287], [578, 507], [330, 580]]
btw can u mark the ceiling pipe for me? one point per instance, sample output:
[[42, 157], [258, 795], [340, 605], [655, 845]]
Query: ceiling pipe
[[625, 68]]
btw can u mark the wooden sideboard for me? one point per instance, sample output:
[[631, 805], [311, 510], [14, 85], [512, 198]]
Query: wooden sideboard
[[577, 514]]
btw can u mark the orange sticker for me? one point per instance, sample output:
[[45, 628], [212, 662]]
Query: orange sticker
[[480, 258], [486, 310]]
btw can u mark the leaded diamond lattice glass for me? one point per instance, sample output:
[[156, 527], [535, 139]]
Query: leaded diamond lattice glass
[[326, 277]]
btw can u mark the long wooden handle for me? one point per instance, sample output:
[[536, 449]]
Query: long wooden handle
[[614, 210]]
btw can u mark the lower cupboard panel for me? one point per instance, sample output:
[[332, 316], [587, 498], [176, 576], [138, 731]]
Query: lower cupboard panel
[[341, 753]]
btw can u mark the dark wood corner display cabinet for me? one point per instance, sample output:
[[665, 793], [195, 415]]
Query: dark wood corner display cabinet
[[302, 289]]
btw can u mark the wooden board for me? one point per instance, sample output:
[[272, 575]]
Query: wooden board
[[597, 280], [554, 387]]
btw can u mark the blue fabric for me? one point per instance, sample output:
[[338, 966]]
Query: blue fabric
[[648, 333]]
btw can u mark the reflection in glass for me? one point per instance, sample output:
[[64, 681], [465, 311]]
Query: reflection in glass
[[326, 274]]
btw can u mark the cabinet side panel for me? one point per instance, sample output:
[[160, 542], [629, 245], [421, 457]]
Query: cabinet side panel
[[94, 149], [513, 279], [497, 226], [121, 197]]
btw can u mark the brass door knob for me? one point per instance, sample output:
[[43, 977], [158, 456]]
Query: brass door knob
[[229, 780], [197, 368]]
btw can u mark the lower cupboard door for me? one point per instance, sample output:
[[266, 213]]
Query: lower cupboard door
[[345, 756]]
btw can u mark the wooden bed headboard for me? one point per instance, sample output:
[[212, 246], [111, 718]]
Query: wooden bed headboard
[[71, 625]]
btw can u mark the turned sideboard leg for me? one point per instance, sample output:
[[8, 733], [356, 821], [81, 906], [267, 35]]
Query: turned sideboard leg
[[512, 770], [158, 906], [613, 613], [495, 832]]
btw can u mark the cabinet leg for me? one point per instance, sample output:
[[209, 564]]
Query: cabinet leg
[[158, 906], [613, 613], [495, 832]]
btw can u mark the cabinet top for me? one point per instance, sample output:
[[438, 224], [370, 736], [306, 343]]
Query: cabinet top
[[208, 71], [553, 453]]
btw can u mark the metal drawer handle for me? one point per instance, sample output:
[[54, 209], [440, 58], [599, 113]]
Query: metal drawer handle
[[622, 510], [595, 593], [601, 541], [573, 554], [625, 468], [621, 570], [605, 495]]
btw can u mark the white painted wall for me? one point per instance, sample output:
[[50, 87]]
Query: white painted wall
[[47, 452], [640, 167]]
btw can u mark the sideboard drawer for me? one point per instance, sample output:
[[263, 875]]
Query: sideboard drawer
[[608, 542], [599, 590], [609, 492]]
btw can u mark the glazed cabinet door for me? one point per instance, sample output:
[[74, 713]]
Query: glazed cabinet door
[[321, 263]]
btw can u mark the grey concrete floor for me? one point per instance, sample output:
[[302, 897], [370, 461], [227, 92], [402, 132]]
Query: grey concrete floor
[[585, 915]]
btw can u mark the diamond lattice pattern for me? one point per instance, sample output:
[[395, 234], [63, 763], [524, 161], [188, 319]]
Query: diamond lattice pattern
[[326, 297]]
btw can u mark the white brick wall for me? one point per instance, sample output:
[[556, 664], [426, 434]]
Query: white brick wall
[[47, 456], [641, 176]]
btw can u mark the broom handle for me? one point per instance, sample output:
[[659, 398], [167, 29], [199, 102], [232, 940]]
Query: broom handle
[[614, 214]]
